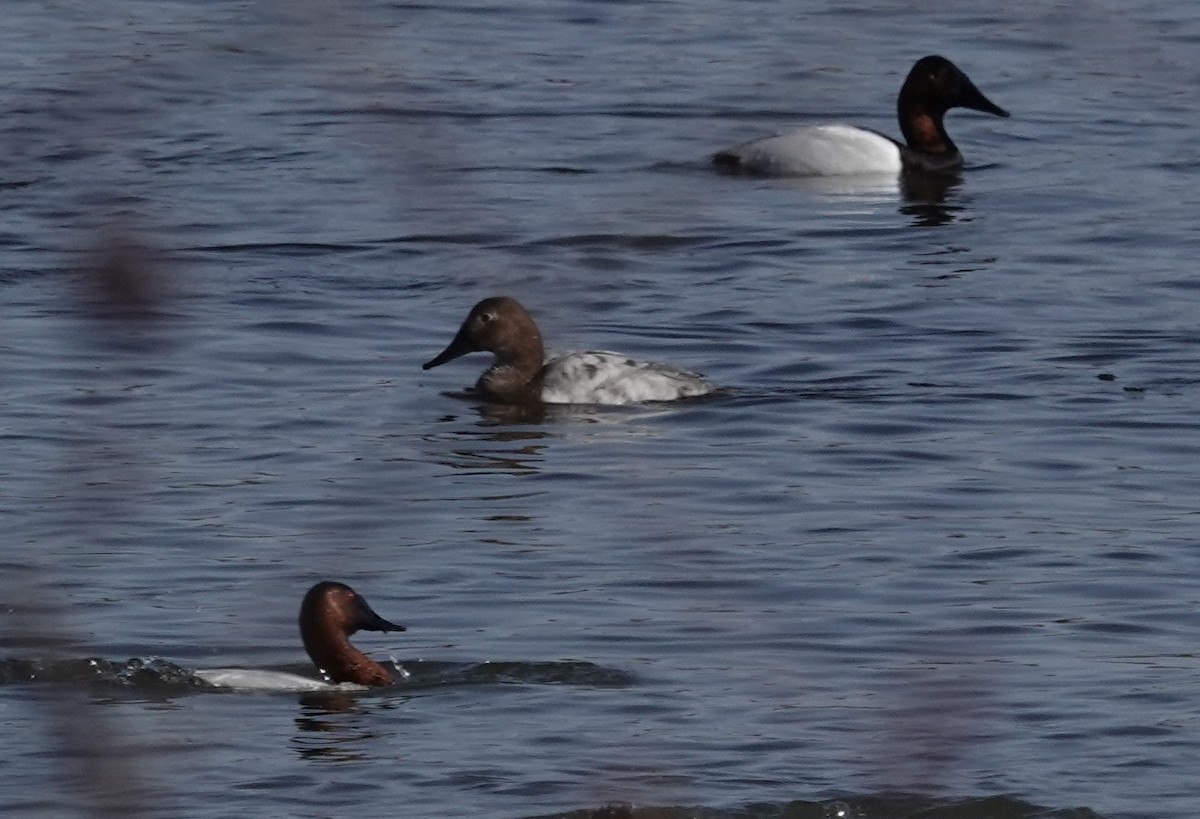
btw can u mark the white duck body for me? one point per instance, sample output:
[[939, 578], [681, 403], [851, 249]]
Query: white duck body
[[602, 377], [250, 679], [820, 150]]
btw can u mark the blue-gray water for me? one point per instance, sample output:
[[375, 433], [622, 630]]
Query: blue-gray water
[[938, 538]]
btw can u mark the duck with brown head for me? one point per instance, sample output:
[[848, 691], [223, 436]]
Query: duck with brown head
[[330, 613], [521, 373], [500, 325]]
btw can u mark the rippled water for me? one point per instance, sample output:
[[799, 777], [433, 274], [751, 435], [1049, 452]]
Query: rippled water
[[931, 553]]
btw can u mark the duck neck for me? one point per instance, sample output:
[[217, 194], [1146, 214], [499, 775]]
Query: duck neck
[[515, 377], [342, 662], [925, 133]]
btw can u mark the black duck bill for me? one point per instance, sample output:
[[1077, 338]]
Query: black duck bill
[[459, 346]]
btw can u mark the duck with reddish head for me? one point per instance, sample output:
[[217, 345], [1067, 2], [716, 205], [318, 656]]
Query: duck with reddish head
[[329, 614], [933, 87], [522, 373]]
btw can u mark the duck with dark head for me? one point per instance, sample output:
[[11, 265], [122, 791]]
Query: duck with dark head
[[933, 87]]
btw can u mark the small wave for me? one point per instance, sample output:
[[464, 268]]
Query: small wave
[[146, 674], [154, 675], [430, 674], [883, 806], [617, 241]]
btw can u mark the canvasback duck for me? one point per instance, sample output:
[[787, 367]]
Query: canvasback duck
[[330, 613], [934, 86], [522, 373]]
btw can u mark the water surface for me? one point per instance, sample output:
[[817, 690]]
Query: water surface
[[931, 552]]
